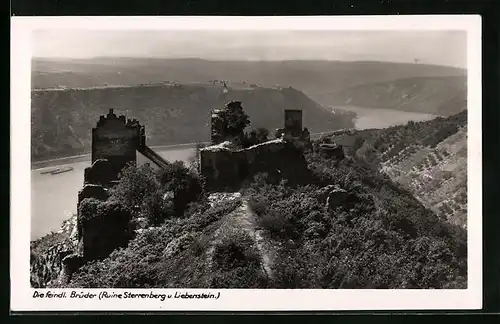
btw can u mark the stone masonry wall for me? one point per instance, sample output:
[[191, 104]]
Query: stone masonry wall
[[223, 167], [104, 233]]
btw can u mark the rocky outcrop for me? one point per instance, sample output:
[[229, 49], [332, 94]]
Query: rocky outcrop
[[333, 196], [69, 265], [336, 197], [332, 150], [48, 253]]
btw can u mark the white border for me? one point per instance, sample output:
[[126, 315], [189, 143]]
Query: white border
[[242, 299]]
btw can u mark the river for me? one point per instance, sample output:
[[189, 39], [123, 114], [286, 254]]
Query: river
[[383, 118], [54, 197]]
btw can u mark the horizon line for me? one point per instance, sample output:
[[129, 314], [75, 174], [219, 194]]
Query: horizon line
[[61, 58]]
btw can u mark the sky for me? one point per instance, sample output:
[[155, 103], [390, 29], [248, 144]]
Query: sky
[[429, 47]]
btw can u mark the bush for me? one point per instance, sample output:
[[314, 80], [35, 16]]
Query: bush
[[158, 195], [291, 270], [236, 263], [135, 183], [88, 209], [235, 250], [91, 208], [156, 209], [183, 183], [278, 225]]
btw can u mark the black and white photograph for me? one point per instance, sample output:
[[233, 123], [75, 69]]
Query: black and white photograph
[[245, 157]]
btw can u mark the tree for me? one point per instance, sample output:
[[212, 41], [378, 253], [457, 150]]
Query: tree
[[234, 119], [135, 184]]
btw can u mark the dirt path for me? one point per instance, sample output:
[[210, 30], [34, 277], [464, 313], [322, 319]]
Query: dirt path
[[243, 218]]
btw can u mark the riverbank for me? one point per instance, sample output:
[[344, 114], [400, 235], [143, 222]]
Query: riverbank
[[62, 161], [54, 196]]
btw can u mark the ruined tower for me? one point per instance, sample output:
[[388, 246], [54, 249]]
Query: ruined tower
[[115, 143], [116, 139]]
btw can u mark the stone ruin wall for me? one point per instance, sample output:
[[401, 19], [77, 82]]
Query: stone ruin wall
[[115, 142], [222, 166], [101, 236]]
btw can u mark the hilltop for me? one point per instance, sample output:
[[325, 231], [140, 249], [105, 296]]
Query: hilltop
[[172, 114], [429, 159], [347, 224], [435, 95], [384, 84]]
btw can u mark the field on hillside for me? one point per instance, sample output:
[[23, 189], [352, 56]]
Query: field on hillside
[[427, 158]]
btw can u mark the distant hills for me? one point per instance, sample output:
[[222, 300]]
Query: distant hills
[[402, 86], [62, 119]]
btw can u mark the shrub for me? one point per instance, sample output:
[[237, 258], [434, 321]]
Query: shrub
[[157, 209], [183, 183], [236, 263], [235, 250], [135, 183], [88, 209], [199, 246], [143, 263], [367, 242]]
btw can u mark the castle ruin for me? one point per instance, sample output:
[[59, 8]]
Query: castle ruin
[[224, 164], [115, 143]]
